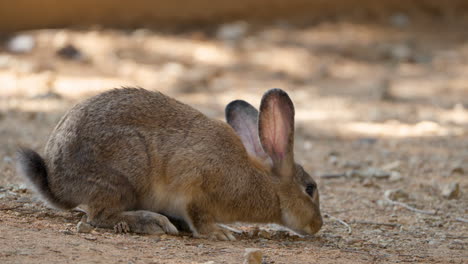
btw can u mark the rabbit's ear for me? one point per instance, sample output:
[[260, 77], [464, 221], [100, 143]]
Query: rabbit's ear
[[276, 129], [243, 117]]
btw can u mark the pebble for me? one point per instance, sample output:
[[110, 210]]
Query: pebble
[[367, 141], [451, 191], [70, 52], [368, 183], [253, 256], [395, 176], [48, 95], [369, 173], [21, 43], [92, 238], [396, 194], [351, 165], [67, 232], [84, 227], [391, 166], [401, 52], [457, 244], [232, 31], [399, 20], [457, 169], [264, 234], [5, 61], [333, 160]]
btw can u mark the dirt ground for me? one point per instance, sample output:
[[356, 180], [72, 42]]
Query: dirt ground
[[381, 123]]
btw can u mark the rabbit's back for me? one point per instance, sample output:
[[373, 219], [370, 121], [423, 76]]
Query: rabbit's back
[[139, 138]]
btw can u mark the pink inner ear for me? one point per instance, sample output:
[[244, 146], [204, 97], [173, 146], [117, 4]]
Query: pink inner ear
[[245, 124], [249, 136], [277, 128]]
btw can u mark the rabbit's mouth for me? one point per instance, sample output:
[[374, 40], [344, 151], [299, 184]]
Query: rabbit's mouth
[[305, 232]]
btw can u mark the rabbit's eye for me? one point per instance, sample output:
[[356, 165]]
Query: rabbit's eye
[[310, 189]]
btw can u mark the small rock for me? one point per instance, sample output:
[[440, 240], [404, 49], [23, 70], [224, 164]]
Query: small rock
[[457, 169], [401, 52], [351, 165], [368, 183], [451, 191], [384, 243], [455, 244], [415, 162], [367, 141], [67, 232], [21, 43], [22, 188], [382, 203], [370, 173], [399, 20], [333, 160], [5, 61], [48, 95], [395, 176], [308, 145], [391, 166], [197, 78], [396, 194], [253, 232], [383, 90], [84, 227], [141, 32], [92, 238], [264, 234], [233, 31], [70, 52], [253, 256], [173, 69], [209, 262]]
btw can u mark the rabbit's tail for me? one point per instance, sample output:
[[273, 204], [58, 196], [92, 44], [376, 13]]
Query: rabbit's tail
[[32, 167]]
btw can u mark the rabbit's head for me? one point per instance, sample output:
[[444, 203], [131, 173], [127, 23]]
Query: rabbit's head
[[268, 135]]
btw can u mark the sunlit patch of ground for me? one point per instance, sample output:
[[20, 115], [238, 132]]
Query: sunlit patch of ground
[[366, 95]]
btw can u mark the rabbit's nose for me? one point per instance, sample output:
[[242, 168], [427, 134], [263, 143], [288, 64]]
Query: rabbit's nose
[[316, 225]]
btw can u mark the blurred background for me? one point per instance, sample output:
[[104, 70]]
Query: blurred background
[[392, 70], [380, 87]]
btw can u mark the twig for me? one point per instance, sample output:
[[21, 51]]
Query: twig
[[332, 176], [376, 223], [10, 208], [355, 251], [460, 219], [456, 237], [341, 222], [416, 210]]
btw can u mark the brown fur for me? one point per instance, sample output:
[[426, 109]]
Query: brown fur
[[130, 154]]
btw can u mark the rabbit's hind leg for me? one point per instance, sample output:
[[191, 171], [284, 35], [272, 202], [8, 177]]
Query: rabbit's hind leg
[[112, 206], [142, 222], [146, 222]]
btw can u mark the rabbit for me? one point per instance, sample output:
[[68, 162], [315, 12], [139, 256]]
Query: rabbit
[[134, 157]]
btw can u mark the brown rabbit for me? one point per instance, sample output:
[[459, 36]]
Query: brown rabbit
[[133, 157]]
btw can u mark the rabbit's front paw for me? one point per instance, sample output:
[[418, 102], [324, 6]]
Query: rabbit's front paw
[[215, 232], [221, 233], [121, 228]]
